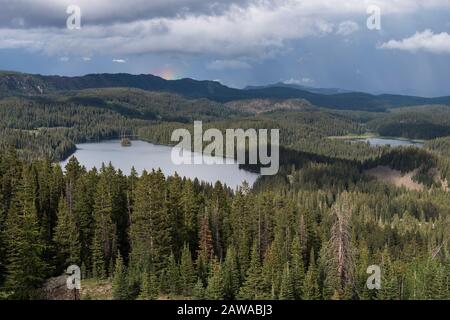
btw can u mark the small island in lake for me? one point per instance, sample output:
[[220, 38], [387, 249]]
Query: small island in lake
[[125, 142]]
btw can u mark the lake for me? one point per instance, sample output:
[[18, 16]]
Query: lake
[[390, 141], [143, 155]]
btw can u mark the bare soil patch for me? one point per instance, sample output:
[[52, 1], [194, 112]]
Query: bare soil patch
[[395, 177]]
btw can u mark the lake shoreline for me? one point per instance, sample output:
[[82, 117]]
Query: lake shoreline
[[144, 155], [374, 136]]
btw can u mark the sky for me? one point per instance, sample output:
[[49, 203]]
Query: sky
[[377, 46]]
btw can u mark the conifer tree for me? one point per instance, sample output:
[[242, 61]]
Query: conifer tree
[[253, 287], [173, 275], [66, 236], [287, 285], [120, 290], [175, 213], [150, 229], [311, 290], [149, 286], [48, 180], [190, 208], [73, 170], [105, 239], [83, 203], [297, 267], [98, 259], [164, 281], [84, 272], [132, 181], [10, 173], [446, 277], [231, 274], [205, 240], [217, 216], [26, 267], [389, 285], [240, 221], [203, 267], [214, 290], [199, 291], [119, 212], [187, 272], [275, 260], [361, 277], [440, 284], [271, 273], [433, 281]]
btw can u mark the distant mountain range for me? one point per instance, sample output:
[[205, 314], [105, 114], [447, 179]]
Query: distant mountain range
[[325, 91], [14, 83]]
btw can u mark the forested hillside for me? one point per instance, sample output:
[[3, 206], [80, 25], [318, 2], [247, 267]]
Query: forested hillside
[[14, 83], [310, 232], [157, 236], [50, 125], [423, 122]]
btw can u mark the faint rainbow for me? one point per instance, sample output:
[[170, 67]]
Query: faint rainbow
[[167, 73]]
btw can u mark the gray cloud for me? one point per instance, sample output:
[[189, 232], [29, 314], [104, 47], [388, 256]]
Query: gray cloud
[[257, 28], [52, 13], [256, 31]]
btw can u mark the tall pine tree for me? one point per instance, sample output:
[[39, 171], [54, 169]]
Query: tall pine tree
[[66, 236], [214, 290], [26, 267], [119, 286], [188, 277], [231, 274], [311, 290], [253, 287]]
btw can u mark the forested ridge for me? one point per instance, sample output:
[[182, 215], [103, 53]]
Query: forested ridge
[[15, 83], [424, 122], [51, 125], [159, 236], [310, 232]]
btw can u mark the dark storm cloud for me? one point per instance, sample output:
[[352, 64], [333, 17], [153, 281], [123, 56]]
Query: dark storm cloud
[[238, 41], [52, 13]]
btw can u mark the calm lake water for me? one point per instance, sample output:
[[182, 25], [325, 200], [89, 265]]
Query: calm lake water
[[390, 141], [143, 155]]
